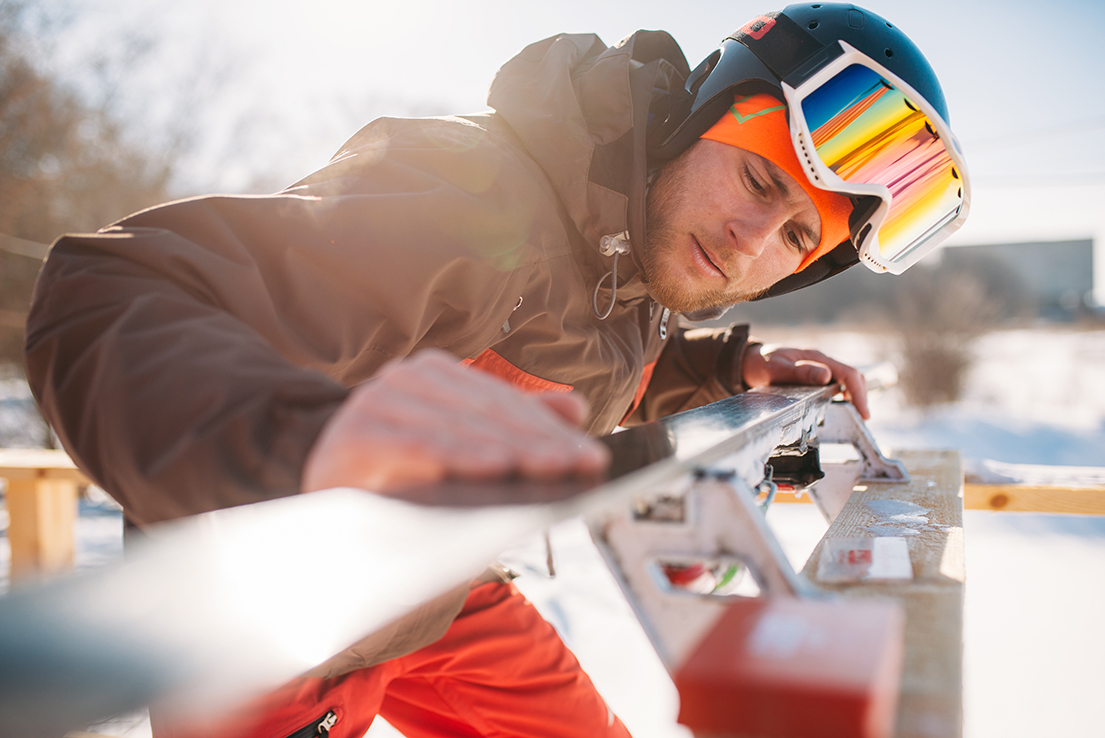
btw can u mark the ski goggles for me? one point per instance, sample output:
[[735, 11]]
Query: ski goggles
[[860, 130]]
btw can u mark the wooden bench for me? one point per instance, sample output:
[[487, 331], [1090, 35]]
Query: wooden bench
[[1036, 489], [931, 700], [927, 512], [42, 509]]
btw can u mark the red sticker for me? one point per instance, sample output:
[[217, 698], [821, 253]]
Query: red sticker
[[860, 556], [757, 27]]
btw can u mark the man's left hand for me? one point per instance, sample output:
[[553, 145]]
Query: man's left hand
[[766, 365]]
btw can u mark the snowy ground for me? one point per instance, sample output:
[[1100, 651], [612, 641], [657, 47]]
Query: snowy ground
[[1034, 646]]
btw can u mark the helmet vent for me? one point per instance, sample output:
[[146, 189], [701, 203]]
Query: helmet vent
[[812, 25], [810, 170], [869, 260], [889, 53]]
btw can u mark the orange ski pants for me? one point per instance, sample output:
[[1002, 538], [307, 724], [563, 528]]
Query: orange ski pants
[[500, 670]]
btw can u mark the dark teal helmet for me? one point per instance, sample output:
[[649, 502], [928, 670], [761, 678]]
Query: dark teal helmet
[[789, 47]]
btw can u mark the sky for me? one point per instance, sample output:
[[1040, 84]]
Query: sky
[[272, 87]]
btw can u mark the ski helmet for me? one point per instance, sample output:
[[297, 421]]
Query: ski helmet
[[836, 65]]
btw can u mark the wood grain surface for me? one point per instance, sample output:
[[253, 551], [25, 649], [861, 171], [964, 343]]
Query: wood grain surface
[[928, 512]]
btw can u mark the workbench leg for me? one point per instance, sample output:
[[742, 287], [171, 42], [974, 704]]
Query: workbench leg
[[41, 515]]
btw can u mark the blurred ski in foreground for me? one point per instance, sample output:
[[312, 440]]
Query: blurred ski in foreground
[[215, 608]]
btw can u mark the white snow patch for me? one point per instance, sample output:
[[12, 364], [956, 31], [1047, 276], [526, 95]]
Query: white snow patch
[[896, 518], [898, 511]]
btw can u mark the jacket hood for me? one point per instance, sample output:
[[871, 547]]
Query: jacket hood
[[582, 109]]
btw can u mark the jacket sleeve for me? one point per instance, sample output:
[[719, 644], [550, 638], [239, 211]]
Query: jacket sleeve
[[696, 367], [189, 355]]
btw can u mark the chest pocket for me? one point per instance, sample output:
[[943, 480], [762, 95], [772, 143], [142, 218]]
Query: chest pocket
[[492, 363]]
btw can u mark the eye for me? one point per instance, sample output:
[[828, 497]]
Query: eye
[[795, 240], [753, 183]]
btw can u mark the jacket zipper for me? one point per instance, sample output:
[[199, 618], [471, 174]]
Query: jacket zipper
[[319, 728]]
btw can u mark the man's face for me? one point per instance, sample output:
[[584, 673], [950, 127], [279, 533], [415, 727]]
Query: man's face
[[723, 225]]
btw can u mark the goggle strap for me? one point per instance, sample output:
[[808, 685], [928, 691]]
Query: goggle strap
[[780, 43], [863, 209]]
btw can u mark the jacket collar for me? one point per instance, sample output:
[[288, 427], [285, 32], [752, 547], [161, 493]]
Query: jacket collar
[[581, 109]]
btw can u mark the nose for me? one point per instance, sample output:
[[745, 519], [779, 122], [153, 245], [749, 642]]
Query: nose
[[751, 231]]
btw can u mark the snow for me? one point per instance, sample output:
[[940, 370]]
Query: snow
[[1035, 599]]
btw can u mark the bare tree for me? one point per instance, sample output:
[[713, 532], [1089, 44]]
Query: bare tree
[[939, 312], [68, 161]]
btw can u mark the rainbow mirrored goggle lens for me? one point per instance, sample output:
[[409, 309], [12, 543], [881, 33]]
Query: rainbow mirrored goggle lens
[[867, 131]]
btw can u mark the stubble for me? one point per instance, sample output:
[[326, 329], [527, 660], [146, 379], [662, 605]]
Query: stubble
[[666, 198]]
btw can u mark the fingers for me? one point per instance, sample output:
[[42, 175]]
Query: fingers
[[572, 408], [765, 366], [788, 370], [854, 385], [539, 431], [427, 418]]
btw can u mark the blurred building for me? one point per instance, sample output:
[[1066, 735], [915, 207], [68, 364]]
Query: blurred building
[[1059, 274], [1038, 280]]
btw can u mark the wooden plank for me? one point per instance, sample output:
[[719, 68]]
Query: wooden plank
[[928, 512], [38, 463], [41, 514], [1035, 498], [1012, 498]]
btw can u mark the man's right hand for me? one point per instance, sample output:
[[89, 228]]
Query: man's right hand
[[427, 418]]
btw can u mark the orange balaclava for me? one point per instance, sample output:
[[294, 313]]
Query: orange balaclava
[[758, 123]]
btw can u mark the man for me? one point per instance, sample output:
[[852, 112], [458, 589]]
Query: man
[[225, 350]]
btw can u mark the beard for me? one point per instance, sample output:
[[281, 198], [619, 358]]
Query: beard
[[666, 198]]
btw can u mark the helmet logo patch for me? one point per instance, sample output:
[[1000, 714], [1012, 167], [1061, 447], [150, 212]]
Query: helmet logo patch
[[757, 27]]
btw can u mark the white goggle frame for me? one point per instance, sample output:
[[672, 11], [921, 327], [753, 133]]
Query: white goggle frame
[[864, 238]]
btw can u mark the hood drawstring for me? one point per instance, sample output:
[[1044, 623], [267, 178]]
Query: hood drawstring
[[612, 245]]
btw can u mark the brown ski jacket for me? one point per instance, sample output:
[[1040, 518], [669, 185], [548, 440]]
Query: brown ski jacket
[[189, 355]]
